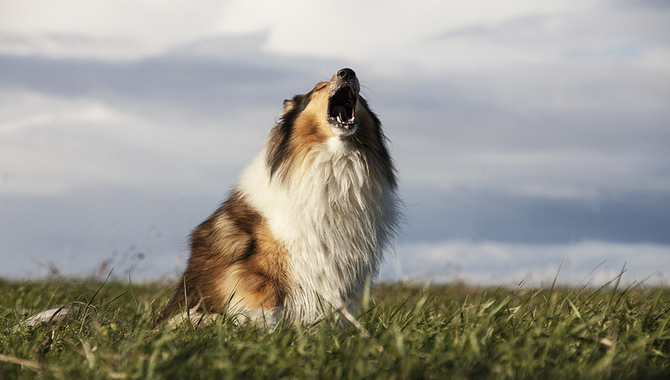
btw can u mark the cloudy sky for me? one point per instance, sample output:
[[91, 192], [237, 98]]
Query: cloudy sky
[[529, 136]]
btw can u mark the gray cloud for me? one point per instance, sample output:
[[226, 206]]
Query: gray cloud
[[557, 135], [652, 4], [78, 232], [493, 216], [169, 79], [532, 265]]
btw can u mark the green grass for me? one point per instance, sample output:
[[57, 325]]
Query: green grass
[[436, 332]]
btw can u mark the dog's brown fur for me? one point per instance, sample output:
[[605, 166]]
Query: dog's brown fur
[[234, 261]]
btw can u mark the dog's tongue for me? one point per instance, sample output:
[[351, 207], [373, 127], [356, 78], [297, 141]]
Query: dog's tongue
[[342, 112]]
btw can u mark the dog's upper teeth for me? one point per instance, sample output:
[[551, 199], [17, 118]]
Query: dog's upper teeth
[[339, 119]]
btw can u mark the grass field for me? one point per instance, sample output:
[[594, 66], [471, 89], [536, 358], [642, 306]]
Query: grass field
[[435, 332]]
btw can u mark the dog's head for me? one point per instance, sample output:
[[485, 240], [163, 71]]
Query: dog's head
[[331, 110]]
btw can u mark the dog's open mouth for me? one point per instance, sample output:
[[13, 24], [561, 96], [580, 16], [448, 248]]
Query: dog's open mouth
[[341, 108]]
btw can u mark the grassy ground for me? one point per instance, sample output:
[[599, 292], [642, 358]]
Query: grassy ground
[[437, 332]]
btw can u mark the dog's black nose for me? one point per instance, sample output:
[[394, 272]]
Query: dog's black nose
[[346, 74]]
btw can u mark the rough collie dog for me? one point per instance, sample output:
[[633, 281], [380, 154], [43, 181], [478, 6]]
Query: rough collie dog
[[307, 222]]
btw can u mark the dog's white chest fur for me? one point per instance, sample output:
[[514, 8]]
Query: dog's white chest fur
[[333, 218]]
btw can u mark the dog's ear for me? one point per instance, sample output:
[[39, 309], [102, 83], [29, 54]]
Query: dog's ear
[[288, 105], [297, 103]]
